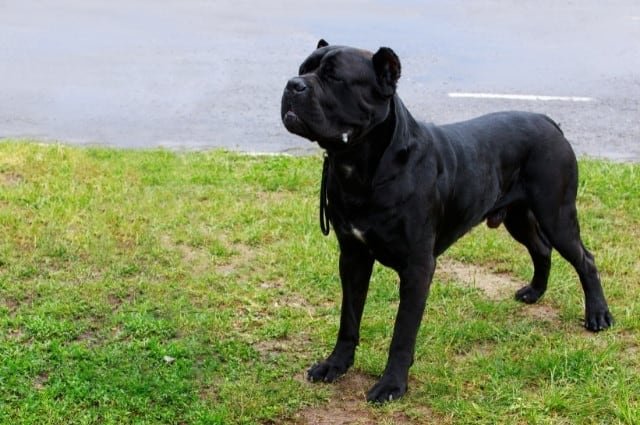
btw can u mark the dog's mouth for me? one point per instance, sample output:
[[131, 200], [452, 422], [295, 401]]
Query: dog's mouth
[[294, 123], [290, 118], [298, 120]]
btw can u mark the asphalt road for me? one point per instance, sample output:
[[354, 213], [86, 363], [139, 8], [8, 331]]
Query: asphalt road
[[195, 74]]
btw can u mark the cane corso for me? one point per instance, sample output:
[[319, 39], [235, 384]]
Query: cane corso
[[401, 192]]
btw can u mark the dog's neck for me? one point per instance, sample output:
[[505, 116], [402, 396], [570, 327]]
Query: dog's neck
[[358, 164], [356, 167]]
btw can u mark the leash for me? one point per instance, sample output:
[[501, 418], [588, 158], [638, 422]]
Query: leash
[[325, 224]]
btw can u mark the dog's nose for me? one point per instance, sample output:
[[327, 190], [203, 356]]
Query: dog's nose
[[296, 85]]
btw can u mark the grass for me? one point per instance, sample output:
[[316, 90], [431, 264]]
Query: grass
[[158, 287]]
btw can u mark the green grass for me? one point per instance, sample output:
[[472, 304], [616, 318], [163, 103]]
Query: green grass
[[111, 260]]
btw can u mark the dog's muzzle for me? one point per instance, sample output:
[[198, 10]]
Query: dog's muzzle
[[294, 93]]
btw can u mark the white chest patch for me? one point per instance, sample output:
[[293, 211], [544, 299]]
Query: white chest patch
[[358, 234]]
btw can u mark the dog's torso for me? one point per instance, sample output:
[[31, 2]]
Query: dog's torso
[[434, 183]]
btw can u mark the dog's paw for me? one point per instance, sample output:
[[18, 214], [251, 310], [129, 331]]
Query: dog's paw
[[528, 294], [596, 321], [325, 372], [388, 388]]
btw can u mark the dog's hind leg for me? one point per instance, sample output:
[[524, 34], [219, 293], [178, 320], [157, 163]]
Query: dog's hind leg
[[559, 222], [564, 235], [550, 180], [523, 226]]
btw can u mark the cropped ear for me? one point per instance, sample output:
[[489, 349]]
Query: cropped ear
[[322, 43], [386, 65]]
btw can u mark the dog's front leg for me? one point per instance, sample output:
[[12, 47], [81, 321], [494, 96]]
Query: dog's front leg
[[415, 280], [356, 264]]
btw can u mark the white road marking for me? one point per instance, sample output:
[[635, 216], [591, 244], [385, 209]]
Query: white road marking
[[520, 97]]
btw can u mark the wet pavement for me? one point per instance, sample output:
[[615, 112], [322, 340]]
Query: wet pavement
[[200, 74]]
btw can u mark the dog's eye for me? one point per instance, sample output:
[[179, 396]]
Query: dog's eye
[[334, 78]]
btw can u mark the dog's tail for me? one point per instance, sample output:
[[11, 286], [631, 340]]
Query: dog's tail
[[555, 124]]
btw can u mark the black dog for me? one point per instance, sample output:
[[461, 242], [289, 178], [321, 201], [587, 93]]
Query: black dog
[[401, 192]]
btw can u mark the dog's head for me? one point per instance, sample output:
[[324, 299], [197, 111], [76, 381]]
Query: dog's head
[[340, 93]]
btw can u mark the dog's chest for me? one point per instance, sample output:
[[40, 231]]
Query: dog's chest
[[386, 241], [358, 234], [384, 232], [377, 214]]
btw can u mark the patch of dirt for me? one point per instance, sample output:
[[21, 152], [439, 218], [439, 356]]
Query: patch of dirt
[[482, 349], [495, 286], [272, 284], [11, 304], [632, 351], [285, 296], [40, 381], [117, 301], [117, 332], [348, 405], [198, 259], [297, 346], [244, 255], [114, 301], [629, 340], [191, 255], [88, 337], [210, 393], [202, 262], [273, 197], [294, 300], [15, 334], [541, 312], [10, 179]]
